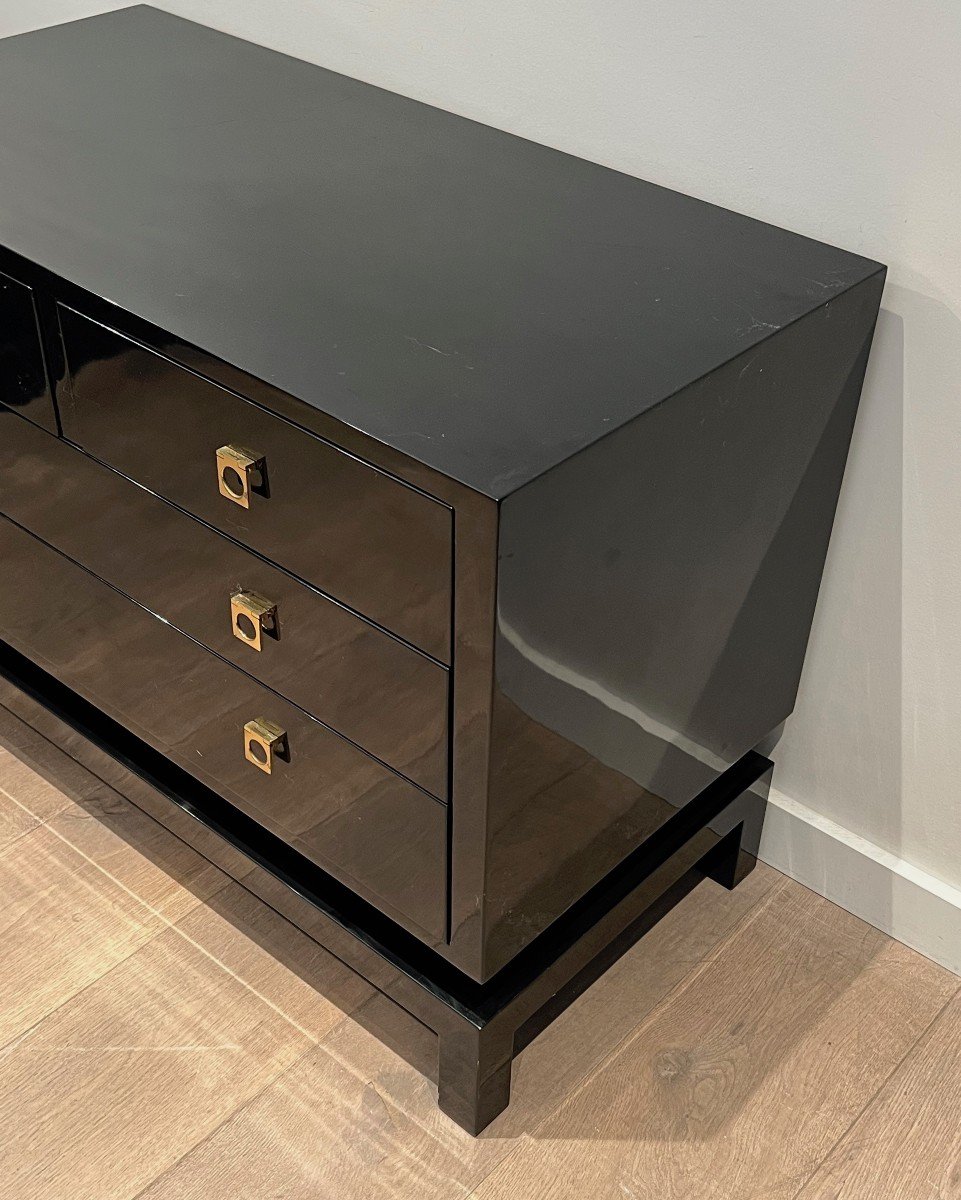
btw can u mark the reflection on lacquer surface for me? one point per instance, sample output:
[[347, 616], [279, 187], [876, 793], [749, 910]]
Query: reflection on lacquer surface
[[649, 637]]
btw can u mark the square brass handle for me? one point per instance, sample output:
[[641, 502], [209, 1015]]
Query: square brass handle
[[263, 743], [239, 473], [251, 616]]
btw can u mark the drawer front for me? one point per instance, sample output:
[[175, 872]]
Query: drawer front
[[23, 377], [369, 686], [358, 534], [372, 829]]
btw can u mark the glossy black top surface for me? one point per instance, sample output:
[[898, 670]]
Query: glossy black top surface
[[482, 303]]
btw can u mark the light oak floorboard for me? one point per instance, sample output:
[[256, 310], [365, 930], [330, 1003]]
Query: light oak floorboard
[[355, 1103], [167, 1036], [76, 896], [320, 1131], [289, 971], [742, 1082], [15, 819], [907, 1144], [28, 799], [127, 845], [124, 1078], [63, 924], [138, 855], [27, 784]]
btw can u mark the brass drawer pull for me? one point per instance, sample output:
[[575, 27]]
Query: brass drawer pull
[[251, 616], [239, 473], [263, 742]]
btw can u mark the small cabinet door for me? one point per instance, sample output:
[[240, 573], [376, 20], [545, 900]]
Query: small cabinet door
[[23, 377]]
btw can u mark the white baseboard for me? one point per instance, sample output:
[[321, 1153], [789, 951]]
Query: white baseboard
[[875, 885]]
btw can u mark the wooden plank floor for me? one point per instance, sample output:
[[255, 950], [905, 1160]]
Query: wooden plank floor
[[162, 1036]]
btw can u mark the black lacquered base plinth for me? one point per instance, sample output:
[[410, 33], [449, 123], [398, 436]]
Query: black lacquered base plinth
[[480, 1028]]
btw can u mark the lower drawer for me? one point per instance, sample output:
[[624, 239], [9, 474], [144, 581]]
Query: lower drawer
[[371, 828]]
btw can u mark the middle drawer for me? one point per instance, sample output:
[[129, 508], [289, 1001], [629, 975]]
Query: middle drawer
[[375, 690]]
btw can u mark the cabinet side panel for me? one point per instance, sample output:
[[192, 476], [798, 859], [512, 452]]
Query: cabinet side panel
[[655, 597]]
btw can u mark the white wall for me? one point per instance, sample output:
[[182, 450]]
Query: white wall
[[839, 121]]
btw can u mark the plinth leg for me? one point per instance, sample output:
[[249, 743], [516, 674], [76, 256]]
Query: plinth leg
[[727, 864], [735, 855], [474, 1075]]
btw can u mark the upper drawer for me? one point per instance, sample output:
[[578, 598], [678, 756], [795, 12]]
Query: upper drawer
[[374, 689], [334, 804], [23, 378], [362, 536]]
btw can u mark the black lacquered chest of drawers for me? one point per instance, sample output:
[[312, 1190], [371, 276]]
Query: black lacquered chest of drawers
[[431, 517]]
